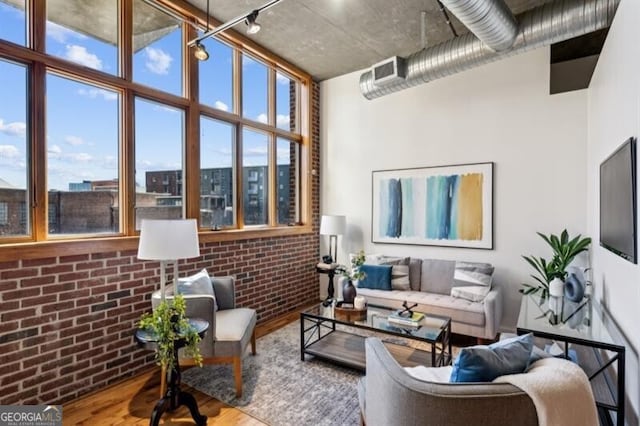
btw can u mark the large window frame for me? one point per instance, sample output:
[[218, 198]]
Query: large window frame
[[38, 62]]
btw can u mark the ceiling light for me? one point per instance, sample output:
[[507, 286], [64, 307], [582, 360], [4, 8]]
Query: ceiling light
[[252, 26], [249, 19], [200, 52]]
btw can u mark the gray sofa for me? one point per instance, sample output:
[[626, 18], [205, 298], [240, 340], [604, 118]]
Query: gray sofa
[[390, 396], [431, 281]]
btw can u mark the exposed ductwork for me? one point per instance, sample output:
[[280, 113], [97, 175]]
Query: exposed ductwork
[[541, 26], [490, 20]]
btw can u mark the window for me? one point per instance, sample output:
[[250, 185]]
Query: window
[[87, 36], [14, 24], [159, 140], [285, 102], [217, 175], [4, 213], [89, 147], [288, 181], [254, 90], [82, 156], [14, 142], [157, 43], [216, 76], [255, 150]]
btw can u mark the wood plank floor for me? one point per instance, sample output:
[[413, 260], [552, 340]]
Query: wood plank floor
[[131, 401]]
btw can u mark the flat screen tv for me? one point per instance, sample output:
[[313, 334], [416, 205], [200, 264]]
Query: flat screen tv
[[618, 223]]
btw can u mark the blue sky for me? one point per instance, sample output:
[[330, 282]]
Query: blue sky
[[82, 120]]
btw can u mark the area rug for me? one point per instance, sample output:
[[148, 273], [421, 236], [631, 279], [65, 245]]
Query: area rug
[[280, 389]]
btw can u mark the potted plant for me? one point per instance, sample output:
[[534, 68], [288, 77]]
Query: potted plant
[[168, 323], [352, 274], [565, 249]]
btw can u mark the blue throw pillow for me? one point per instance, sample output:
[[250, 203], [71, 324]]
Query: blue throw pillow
[[485, 363], [377, 277]]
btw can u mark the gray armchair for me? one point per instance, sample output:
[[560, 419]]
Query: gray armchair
[[230, 328], [389, 395]]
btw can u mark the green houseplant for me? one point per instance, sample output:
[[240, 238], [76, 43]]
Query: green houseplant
[[351, 274], [169, 323], [565, 249]]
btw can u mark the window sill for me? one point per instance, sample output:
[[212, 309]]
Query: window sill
[[46, 249]]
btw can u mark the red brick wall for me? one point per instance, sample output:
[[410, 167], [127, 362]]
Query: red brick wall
[[67, 323]]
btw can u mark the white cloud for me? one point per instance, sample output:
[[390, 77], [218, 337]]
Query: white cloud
[[158, 61], [256, 151], [9, 151], [107, 95], [282, 79], [74, 140], [55, 150], [17, 128], [82, 56], [61, 34], [80, 157], [282, 121], [221, 105], [262, 118]]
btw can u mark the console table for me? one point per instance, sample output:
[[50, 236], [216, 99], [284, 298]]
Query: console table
[[174, 396], [590, 330]]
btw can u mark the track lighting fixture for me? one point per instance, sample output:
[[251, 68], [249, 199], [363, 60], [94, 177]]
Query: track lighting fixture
[[248, 18], [200, 52], [250, 21]]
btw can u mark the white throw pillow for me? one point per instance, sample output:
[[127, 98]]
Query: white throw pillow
[[430, 374], [400, 277], [196, 284], [474, 293]]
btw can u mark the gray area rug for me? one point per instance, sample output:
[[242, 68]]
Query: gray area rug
[[280, 389]]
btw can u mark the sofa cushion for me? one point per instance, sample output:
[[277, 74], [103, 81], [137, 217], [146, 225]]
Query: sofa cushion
[[459, 310], [376, 277], [472, 274], [475, 293], [400, 277], [430, 374], [234, 328], [415, 273], [485, 363], [199, 283], [437, 276]]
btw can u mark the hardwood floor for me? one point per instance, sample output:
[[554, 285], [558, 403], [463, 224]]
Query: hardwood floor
[[131, 401]]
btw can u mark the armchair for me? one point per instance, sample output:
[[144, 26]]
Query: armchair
[[230, 328]]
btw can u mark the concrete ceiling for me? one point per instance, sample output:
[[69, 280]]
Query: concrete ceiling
[[328, 38]]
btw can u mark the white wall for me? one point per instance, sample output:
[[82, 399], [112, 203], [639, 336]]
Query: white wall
[[614, 115], [500, 112]]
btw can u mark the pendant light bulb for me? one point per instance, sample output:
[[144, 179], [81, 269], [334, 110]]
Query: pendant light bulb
[[200, 52]]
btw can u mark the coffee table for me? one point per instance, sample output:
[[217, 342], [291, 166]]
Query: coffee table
[[320, 338]]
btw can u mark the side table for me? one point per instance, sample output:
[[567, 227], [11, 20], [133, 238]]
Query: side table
[[330, 270], [174, 396]]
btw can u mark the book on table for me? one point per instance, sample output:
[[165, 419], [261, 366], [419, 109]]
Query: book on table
[[404, 319]]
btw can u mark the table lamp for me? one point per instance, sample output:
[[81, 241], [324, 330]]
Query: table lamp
[[333, 226], [168, 241]]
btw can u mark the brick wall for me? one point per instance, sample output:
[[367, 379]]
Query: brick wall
[[67, 323]]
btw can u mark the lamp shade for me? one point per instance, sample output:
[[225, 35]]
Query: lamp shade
[[168, 239], [333, 225]]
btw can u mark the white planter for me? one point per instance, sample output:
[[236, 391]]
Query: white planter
[[556, 287]]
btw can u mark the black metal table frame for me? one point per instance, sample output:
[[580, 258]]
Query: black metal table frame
[[619, 357], [442, 342]]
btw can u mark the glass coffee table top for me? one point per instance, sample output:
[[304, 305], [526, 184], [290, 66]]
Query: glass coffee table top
[[430, 328]]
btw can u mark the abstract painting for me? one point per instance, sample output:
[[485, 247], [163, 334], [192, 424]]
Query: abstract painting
[[442, 206]]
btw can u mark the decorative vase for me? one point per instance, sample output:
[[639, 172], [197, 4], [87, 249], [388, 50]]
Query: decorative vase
[[556, 287], [359, 302], [348, 292], [574, 288]]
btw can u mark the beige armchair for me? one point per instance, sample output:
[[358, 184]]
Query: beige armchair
[[230, 328]]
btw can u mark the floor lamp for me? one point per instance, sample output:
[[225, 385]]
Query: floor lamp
[[168, 241], [333, 226]]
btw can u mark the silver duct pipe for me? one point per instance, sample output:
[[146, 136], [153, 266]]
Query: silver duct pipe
[[490, 20], [541, 26]]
